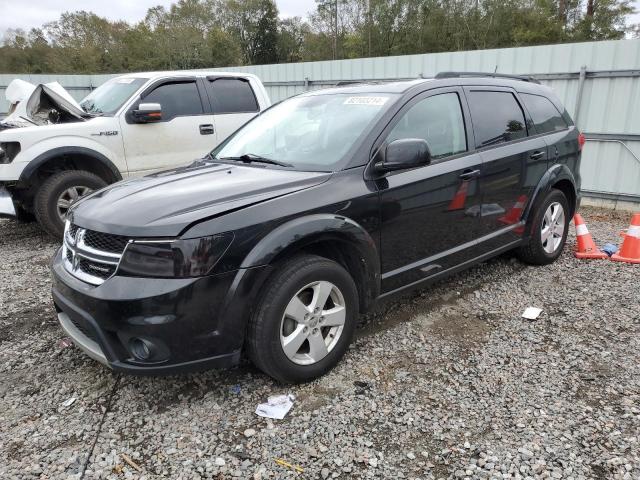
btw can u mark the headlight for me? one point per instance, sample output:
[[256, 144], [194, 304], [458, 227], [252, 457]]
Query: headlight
[[179, 258]]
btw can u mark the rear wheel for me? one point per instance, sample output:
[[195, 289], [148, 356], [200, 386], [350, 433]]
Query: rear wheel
[[304, 320], [548, 230], [58, 193]]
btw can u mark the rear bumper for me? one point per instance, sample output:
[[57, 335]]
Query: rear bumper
[[7, 208], [189, 324]]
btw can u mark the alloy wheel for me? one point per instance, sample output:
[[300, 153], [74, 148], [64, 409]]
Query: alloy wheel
[[69, 197], [312, 322], [553, 225]]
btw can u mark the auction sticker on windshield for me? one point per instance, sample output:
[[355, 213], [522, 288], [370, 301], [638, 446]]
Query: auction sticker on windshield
[[375, 101]]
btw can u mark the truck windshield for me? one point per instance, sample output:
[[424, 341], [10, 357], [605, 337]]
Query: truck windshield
[[309, 133], [109, 97]]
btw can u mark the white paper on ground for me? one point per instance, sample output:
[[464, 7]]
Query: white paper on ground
[[276, 407], [531, 313]]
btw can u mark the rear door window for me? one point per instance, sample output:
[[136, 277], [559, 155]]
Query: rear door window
[[546, 117], [176, 99], [232, 95], [497, 117], [436, 119]]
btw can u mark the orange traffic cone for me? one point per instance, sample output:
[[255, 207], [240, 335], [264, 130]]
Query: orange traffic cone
[[586, 247], [460, 197], [630, 250], [514, 214]]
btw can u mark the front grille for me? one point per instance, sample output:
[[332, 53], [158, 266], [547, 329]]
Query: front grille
[[91, 256], [105, 241], [73, 229]]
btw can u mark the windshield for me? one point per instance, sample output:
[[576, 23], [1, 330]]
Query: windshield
[[109, 97], [309, 132]]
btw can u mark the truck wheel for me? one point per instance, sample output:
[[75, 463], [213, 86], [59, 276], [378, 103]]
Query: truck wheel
[[56, 195], [304, 319], [23, 215], [548, 231]]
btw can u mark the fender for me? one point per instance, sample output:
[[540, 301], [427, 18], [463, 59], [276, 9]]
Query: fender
[[312, 229], [33, 166], [552, 176], [255, 269]]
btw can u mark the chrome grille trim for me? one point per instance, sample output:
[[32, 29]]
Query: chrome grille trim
[[83, 261]]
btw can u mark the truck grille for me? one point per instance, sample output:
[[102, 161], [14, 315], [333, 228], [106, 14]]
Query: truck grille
[[91, 256]]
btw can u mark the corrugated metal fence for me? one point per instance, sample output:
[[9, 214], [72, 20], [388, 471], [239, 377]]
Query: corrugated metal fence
[[599, 83]]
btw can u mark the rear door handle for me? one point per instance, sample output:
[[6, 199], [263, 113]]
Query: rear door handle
[[206, 129], [469, 174], [536, 155]]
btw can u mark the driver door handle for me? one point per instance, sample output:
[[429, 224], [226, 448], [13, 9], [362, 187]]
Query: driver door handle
[[206, 129], [469, 174], [536, 155]]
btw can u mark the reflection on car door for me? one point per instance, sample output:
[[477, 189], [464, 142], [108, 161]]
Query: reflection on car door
[[427, 215], [512, 164], [185, 132], [233, 103]]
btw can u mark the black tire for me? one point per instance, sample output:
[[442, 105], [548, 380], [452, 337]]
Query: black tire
[[46, 198], [23, 215], [264, 346], [533, 252]]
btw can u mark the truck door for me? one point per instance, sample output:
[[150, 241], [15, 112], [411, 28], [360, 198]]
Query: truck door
[[233, 101], [184, 132]]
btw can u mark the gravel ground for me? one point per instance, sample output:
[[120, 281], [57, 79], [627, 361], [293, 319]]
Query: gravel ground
[[446, 382]]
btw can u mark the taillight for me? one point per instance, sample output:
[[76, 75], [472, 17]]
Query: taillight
[[581, 140]]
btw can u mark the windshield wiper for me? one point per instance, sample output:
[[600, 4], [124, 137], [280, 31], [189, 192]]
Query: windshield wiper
[[251, 158]]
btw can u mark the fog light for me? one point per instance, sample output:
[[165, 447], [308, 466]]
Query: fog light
[[141, 349]]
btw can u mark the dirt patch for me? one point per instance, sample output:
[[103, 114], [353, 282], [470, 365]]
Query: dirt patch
[[25, 321]]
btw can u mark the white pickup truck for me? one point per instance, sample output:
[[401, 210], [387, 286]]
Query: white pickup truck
[[58, 150]]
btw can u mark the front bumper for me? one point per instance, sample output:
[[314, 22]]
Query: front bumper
[[7, 208], [189, 324]]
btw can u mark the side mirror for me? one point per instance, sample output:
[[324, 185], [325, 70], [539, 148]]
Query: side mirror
[[404, 153], [147, 113]]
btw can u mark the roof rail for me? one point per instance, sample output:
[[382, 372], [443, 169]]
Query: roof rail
[[524, 78]]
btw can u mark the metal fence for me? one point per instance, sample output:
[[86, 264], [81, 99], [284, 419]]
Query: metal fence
[[598, 82]]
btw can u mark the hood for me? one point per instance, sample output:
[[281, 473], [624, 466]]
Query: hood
[[166, 203], [43, 104]]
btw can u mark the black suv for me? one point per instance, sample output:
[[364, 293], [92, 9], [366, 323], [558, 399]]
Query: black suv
[[275, 242]]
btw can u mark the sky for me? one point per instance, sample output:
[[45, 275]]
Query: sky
[[34, 13]]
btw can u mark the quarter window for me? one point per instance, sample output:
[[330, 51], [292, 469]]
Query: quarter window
[[232, 95], [497, 117], [176, 99], [436, 119], [546, 117]]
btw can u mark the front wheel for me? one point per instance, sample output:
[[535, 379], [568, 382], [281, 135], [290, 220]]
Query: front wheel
[[56, 195], [304, 319], [548, 230]]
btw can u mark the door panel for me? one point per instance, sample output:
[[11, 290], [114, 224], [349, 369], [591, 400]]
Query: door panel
[[156, 146], [512, 163], [427, 213], [228, 123], [510, 175], [428, 224], [186, 131]]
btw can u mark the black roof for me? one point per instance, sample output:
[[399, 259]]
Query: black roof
[[519, 83]]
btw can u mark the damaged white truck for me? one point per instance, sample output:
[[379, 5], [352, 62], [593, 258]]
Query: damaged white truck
[[54, 150]]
